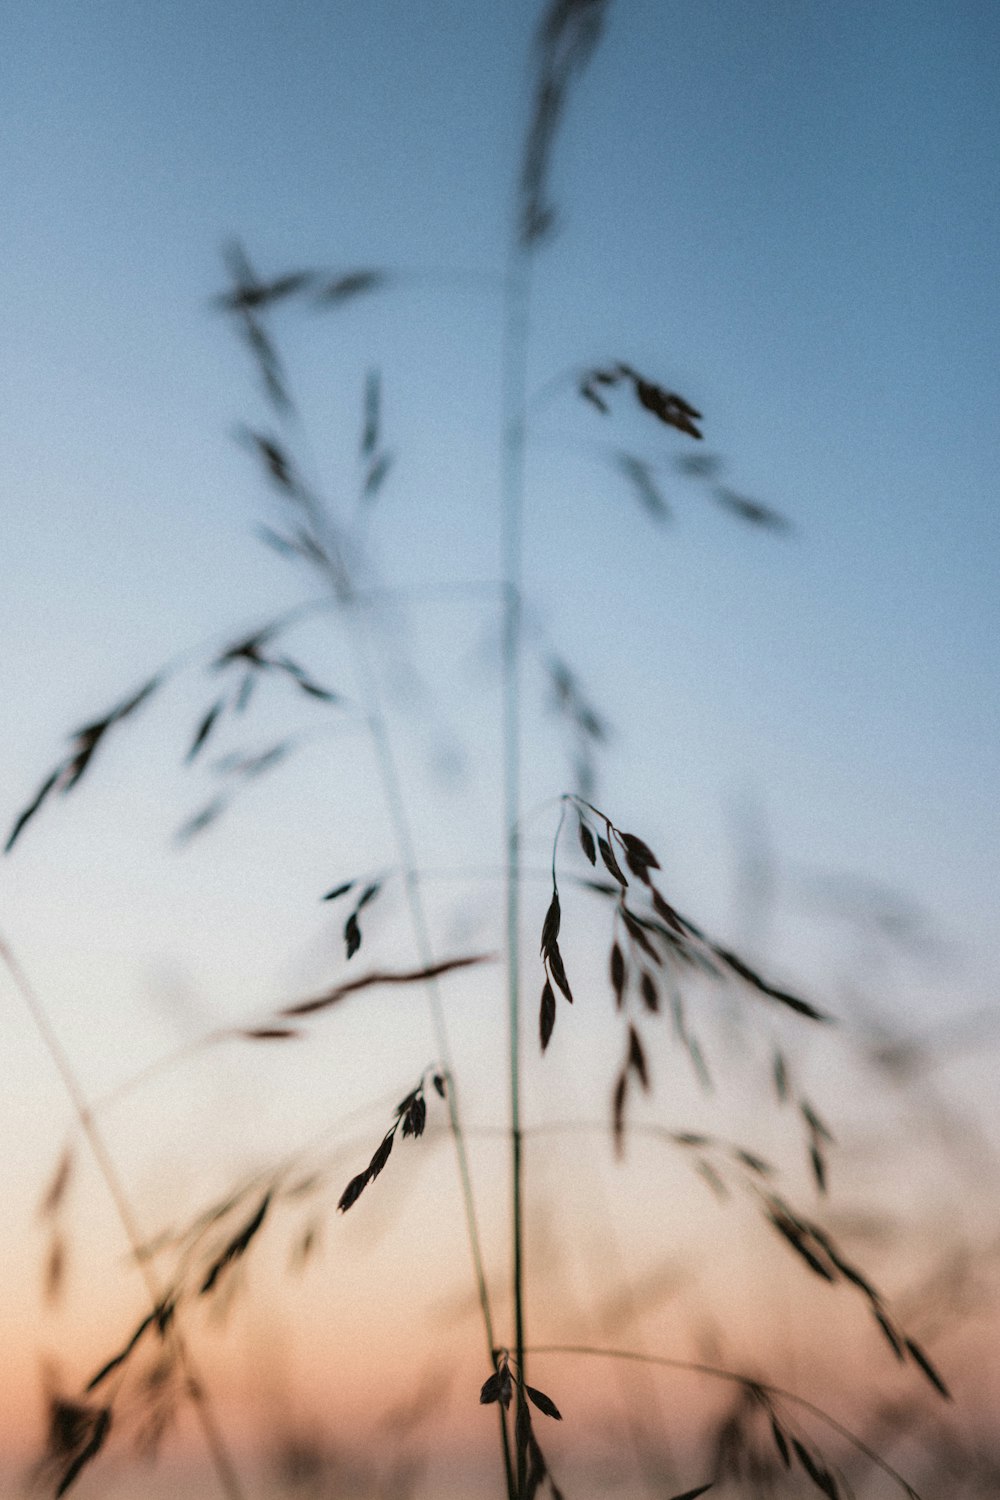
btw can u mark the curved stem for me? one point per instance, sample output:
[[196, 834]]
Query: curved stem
[[336, 568], [221, 1460], [714, 1372]]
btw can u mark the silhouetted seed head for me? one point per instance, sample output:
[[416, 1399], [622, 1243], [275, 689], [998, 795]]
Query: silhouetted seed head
[[637, 1057], [547, 1014], [353, 1191], [611, 864], [619, 975], [643, 484], [54, 1194], [99, 1425], [376, 475], [618, 1099], [932, 1375], [698, 465], [544, 1403], [381, 1156], [816, 1470], [558, 971], [751, 511], [352, 284], [781, 1442], [550, 927], [237, 1246], [415, 1116], [205, 728], [780, 1074], [639, 856], [55, 1268]]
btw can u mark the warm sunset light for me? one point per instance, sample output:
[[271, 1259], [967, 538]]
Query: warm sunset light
[[498, 942]]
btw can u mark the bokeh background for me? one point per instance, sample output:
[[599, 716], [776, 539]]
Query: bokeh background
[[789, 216]]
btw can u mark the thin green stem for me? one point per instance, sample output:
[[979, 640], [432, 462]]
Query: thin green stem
[[337, 570], [222, 1462], [516, 309]]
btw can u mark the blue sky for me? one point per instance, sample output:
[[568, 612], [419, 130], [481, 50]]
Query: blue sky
[[791, 216], [788, 213]]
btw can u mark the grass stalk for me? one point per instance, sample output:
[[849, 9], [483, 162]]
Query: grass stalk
[[715, 1372], [194, 1387], [343, 592], [515, 352]]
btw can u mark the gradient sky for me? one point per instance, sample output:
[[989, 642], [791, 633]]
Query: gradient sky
[[789, 214]]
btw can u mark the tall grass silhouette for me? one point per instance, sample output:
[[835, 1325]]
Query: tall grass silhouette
[[655, 960]]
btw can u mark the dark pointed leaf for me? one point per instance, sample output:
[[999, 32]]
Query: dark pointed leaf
[[237, 1246], [635, 927], [352, 935], [547, 1014], [353, 1191], [381, 1156], [668, 914], [640, 477], [376, 475], [259, 293], [205, 728], [637, 1057], [780, 1074], [666, 405], [736, 964], [588, 393], [415, 1116], [619, 975], [29, 812], [611, 864], [928, 1369], [699, 465], [791, 1232], [544, 1403], [373, 402], [56, 1190], [818, 1129], [639, 856], [618, 1109], [751, 511], [202, 819], [558, 971], [550, 927], [892, 1338], [98, 1437], [817, 1471], [781, 1443], [352, 284], [368, 894]]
